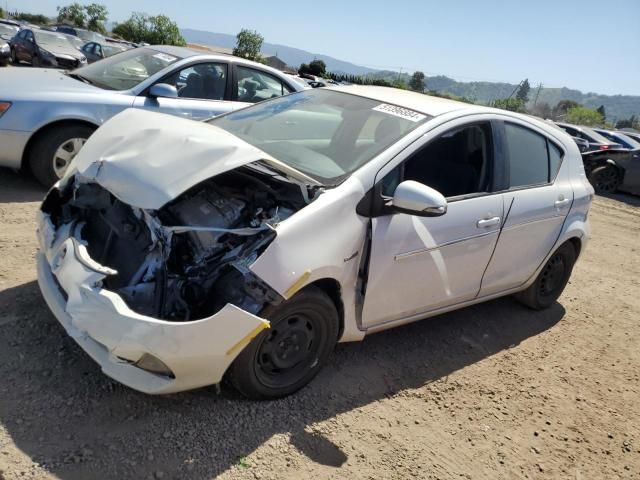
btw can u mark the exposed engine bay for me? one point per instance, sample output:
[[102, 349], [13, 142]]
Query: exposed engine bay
[[190, 258]]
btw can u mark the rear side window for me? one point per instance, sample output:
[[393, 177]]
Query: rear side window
[[528, 160], [555, 159], [533, 159]]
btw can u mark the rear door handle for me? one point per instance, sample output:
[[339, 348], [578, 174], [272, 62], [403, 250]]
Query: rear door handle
[[562, 203], [488, 222]]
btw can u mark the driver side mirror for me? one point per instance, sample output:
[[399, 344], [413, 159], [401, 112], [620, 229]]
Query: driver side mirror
[[415, 198], [163, 90]]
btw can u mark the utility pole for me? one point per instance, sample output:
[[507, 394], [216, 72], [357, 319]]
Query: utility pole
[[537, 94]]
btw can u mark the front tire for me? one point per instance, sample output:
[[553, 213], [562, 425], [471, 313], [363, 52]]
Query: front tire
[[53, 151], [605, 179], [551, 280], [284, 358]]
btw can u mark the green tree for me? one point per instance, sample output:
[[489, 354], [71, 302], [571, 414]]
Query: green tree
[[417, 82], [73, 14], [315, 67], [511, 104], [631, 122], [523, 91], [559, 112], [2, 14], [248, 45], [542, 110], [601, 111], [96, 16], [36, 19], [584, 116], [156, 30]]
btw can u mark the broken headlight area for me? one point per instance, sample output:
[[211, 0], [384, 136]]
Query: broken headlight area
[[190, 258]]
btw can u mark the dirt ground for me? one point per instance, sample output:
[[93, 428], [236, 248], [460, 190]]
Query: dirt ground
[[492, 391]]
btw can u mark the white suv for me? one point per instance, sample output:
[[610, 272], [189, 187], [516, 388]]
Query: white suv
[[175, 252]]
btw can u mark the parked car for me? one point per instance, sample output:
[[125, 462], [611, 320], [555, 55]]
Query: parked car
[[96, 51], [44, 132], [84, 35], [615, 170], [13, 23], [177, 252], [7, 32], [596, 141], [45, 49], [631, 133], [619, 137]]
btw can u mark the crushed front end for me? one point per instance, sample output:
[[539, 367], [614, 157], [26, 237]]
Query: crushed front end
[[163, 300]]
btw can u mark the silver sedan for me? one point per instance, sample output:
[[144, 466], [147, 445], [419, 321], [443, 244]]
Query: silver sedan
[[46, 116]]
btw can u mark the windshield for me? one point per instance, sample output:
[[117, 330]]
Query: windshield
[[126, 70], [88, 36], [323, 133], [595, 136], [51, 39], [110, 50], [7, 31]]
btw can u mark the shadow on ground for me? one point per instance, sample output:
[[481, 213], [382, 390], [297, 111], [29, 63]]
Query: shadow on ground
[[19, 187], [632, 200], [63, 413]]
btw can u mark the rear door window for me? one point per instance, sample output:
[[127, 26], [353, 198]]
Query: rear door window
[[254, 86], [528, 157]]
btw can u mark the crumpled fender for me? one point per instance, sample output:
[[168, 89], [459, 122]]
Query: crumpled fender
[[323, 240]]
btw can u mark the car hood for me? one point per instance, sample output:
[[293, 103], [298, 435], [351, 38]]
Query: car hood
[[63, 50], [43, 82], [147, 159]]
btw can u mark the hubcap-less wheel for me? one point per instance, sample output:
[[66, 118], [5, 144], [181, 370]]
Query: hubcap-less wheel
[[552, 276], [288, 351], [606, 180], [65, 153]]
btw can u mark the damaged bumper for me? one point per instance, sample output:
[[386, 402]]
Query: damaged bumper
[[147, 354]]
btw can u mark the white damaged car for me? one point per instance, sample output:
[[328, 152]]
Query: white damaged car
[[176, 252]]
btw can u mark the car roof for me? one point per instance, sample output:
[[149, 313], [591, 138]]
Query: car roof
[[405, 98], [589, 131]]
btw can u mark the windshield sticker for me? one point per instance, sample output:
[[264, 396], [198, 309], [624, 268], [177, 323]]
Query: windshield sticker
[[164, 57], [405, 113]]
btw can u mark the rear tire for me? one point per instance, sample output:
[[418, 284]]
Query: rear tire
[[284, 358], [605, 179], [551, 280], [54, 149]]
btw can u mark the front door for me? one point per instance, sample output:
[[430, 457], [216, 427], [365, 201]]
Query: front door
[[419, 264], [202, 90]]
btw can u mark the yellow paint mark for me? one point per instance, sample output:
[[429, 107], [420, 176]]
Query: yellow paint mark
[[297, 285], [250, 336]]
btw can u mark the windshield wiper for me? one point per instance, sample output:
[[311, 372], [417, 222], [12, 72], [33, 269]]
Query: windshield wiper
[[80, 77]]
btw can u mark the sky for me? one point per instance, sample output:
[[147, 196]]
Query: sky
[[589, 45]]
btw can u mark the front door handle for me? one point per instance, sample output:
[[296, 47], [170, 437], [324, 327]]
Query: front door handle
[[561, 203], [488, 222]]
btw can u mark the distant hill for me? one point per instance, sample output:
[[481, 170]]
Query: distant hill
[[616, 106], [292, 56]]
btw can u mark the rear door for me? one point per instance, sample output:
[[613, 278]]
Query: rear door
[[537, 201]]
